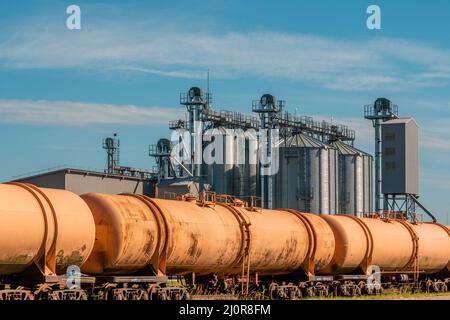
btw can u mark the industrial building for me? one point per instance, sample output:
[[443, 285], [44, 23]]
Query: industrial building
[[115, 179], [84, 181], [318, 168], [318, 171]]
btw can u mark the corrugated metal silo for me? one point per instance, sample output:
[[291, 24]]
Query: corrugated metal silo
[[239, 169], [246, 163], [355, 179], [307, 176], [220, 172]]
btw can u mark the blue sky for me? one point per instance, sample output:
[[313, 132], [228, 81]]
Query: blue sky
[[62, 91]]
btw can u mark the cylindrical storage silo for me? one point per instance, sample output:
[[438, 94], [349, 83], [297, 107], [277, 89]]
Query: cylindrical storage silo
[[306, 176], [240, 184], [221, 164], [355, 179], [333, 172], [251, 167], [324, 174], [246, 163], [368, 183], [37, 221]]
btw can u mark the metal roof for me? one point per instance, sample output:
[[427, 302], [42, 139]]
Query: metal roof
[[346, 149], [401, 120], [303, 141], [80, 172]]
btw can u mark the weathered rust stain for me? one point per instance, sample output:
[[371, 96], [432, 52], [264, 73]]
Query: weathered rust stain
[[193, 250], [19, 259]]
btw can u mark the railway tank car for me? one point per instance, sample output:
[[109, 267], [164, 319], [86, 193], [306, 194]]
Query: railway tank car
[[224, 237], [134, 247], [202, 237], [392, 245], [42, 231]]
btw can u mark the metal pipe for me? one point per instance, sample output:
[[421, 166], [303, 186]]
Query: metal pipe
[[378, 154], [269, 177]]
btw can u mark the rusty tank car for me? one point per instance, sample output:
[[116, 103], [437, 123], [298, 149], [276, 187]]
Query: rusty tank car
[[201, 237], [43, 230], [393, 245], [133, 247], [185, 237]]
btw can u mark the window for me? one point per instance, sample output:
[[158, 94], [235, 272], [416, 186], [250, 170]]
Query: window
[[390, 165], [389, 136], [389, 151]]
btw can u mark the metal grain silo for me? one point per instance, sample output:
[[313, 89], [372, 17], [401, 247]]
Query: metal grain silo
[[252, 160], [307, 176], [355, 179], [221, 171], [235, 169], [239, 168], [245, 163]]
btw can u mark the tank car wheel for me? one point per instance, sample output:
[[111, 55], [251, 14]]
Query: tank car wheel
[[152, 292], [19, 293], [43, 292], [273, 291], [356, 291], [323, 291], [296, 294], [310, 292]]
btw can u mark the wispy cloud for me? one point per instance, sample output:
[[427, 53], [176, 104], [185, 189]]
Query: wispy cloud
[[435, 134], [66, 113], [173, 51]]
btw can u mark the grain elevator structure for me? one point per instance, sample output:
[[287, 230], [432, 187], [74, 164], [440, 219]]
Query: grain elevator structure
[[314, 165]]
